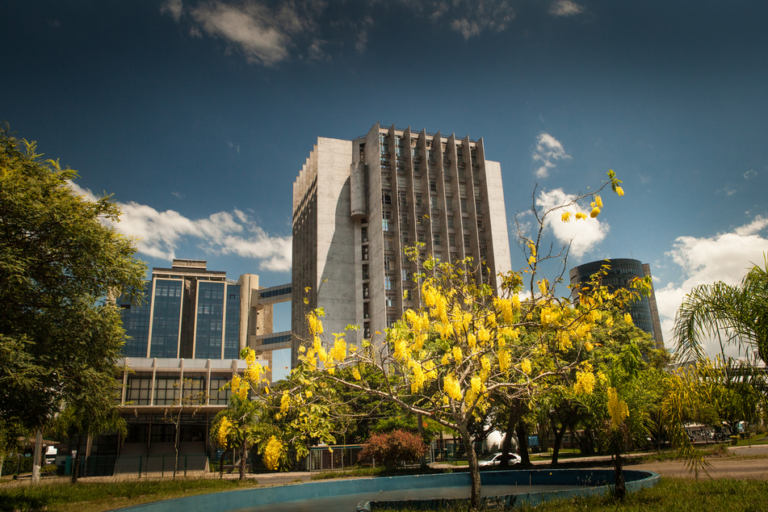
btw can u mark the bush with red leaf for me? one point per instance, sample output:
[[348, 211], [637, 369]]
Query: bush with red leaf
[[393, 447]]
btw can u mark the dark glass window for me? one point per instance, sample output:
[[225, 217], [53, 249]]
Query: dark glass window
[[210, 320], [167, 388], [166, 318], [139, 387], [136, 324], [232, 328], [216, 383]]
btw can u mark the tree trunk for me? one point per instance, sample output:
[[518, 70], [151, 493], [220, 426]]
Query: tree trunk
[[474, 469], [620, 488], [420, 423], [506, 446], [242, 461], [37, 456], [76, 462], [522, 444], [558, 442], [176, 446]]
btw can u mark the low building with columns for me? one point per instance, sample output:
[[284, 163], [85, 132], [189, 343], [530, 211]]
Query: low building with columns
[[185, 338]]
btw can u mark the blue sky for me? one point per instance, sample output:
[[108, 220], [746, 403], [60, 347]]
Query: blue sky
[[197, 116]]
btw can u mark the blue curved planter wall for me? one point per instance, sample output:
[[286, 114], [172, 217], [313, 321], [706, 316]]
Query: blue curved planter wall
[[596, 482]]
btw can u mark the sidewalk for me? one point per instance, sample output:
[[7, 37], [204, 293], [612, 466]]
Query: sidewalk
[[741, 450]]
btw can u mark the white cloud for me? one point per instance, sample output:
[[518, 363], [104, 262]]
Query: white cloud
[[750, 174], [584, 235], [361, 38], [160, 233], [724, 257], [173, 7], [565, 8], [548, 151], [477, 16], [316, 52], [178, 195], [263, 34]]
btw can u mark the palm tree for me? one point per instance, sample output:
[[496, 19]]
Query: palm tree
[[735, 314]]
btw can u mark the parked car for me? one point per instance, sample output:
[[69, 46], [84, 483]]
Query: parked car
[[494, 459]]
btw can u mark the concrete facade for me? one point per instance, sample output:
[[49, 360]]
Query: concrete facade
[[357, 204]]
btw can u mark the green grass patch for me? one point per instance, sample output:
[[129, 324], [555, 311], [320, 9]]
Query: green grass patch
[[671, 495], [99, 496]]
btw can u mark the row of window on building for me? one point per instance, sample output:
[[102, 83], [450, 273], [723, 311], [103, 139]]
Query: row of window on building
[[217, 322]]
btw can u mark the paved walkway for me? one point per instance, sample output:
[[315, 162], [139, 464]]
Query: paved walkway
[[737, 450]]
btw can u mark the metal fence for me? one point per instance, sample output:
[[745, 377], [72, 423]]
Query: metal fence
[[333, 458]]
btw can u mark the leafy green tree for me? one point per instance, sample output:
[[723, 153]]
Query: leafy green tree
[[620, 401], [92, 413], [60, 336], [735, 314]]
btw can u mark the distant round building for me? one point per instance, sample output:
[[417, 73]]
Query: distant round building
[[644, 312]]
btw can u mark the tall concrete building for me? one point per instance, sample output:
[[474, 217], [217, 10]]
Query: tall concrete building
[[358, 203], [644, 313]]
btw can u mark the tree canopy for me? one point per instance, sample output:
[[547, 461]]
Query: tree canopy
[[734, 314], [60, 335]]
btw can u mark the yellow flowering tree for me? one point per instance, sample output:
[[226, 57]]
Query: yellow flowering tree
[[270, 421], [238, 427], [470, 344], [619, 398]]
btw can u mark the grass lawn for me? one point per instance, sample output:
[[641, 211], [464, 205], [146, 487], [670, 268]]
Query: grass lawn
[[672, 495], [754, 441], [99, 496]]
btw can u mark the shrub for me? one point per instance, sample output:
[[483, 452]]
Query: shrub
[[393, 447], [50, 469]]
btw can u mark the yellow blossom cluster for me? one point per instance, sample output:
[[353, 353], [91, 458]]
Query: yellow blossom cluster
[[315, 325], [585, 383], [617, 409], [526, 367], [506, 308], [285, 402], [505, 359], [224, 428], [339, 350], [272, 453], [356, 374], [451, 387]]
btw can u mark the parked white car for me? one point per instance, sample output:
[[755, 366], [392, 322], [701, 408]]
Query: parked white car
[[494, 459]]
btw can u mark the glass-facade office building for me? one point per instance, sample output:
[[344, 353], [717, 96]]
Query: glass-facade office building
[[184, 340], [621, 272], [158, 327]]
